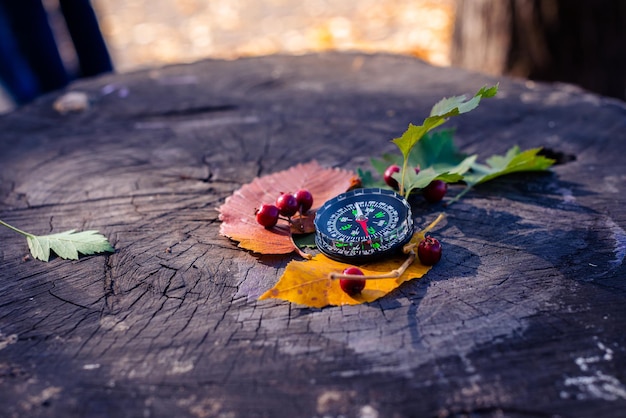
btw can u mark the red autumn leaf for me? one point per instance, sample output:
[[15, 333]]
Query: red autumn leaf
[[238, 211]]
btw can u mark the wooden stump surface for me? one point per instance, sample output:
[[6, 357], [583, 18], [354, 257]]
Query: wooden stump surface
[[524, 316]]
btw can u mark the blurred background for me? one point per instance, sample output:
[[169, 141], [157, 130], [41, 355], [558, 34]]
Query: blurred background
[[45, 44], [146, 33]]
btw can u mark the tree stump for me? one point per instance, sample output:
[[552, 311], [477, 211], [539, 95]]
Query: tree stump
[[524, 315]]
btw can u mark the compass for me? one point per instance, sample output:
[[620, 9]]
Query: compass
[[362, 225]]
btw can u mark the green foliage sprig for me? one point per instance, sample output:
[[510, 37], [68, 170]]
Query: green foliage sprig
[[66, 244], [437, 157]]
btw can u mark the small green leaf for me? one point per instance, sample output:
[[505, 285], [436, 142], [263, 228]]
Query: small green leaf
[[425, 176], [499, 165], [304, 240], [368, 180], [488, 92], [436, 149], [457, 105], [381, 164], [513, 161], [68, 244], [414, 133], [452, 106]]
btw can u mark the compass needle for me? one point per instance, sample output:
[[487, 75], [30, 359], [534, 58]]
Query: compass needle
[[361, 219], [359, 212]]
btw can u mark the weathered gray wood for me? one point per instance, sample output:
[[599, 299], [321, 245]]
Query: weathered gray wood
[[524, 316]]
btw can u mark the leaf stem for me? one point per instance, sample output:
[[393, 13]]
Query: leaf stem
[[19, 231], [459, 195], [404, 166]]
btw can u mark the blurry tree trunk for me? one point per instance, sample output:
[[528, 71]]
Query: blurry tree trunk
[[576, 41]]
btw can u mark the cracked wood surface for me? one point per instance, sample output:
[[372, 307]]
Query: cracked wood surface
[[524, 316]]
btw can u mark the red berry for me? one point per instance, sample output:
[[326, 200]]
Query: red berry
[[388, 176], [429, 251], [287, 204], [305, 200], [267, 215], [352, 286], [435, 191]]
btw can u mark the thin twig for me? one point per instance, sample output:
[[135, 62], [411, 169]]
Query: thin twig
[[393, 274], [432, 224]]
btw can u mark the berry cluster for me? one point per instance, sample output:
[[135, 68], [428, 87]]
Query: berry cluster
[[286, 204], [428, 251], [433, 193]]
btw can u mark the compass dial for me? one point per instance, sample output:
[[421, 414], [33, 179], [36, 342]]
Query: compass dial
[[363, 224]]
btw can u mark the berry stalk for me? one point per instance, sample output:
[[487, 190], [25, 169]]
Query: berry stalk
[[393, 274]]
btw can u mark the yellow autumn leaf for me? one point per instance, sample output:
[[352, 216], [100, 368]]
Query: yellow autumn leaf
[[309, 283]]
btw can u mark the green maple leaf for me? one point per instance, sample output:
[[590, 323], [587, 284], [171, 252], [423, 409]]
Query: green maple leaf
[[66, 244], [513, 161], [437, 150], [368, 179]]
